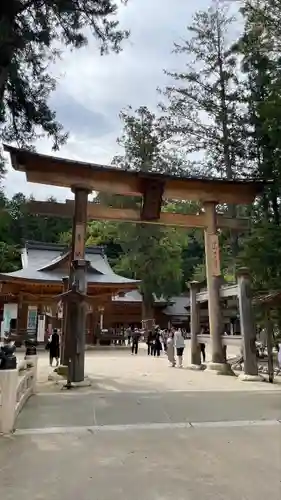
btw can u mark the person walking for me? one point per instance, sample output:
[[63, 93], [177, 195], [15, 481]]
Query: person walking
[[203, 351], [165, 338], [157, 345], [135, 341], [279, 355], [54, 347], [129, 334], [149, 343], [171, 349], [179, 345]]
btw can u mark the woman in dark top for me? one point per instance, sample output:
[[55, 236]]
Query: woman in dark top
[[157, 345], [149, 343], [54, 347]]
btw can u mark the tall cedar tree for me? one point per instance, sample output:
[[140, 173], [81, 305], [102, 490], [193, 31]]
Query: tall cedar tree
[[150, 253], [266, 16], [203, 104], [261, 64], [18, 225], [30, 33]]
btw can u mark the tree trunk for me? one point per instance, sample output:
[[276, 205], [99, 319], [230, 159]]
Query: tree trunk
[[3, 81], [147, 312], [228, 162], [275, 208], [269, 336], [247, 323], [213, 284], [9, 10], [194, 324]]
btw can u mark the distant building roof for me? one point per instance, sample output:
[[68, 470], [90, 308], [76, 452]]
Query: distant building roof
[[43, 262], [135, 296], [270, 299], [178, 307]]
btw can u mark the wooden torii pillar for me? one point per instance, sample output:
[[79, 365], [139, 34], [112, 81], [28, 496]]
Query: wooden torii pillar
[[74, 343], [63, 356], [247, 325], [194, 327], [153, 188], [213, 272], [76, 302]]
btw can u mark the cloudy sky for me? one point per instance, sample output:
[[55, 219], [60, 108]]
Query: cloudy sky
[[92, 90]]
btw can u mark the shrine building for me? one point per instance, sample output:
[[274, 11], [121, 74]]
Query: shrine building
[[29, 294], [28, 304]]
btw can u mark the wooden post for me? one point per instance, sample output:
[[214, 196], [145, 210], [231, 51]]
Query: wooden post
[[247, 324], [78, 322], [213, 273], [148, 320], [194, 327], [63, 355], [269, 337], [39, 312], [75, 347], [22, 318]]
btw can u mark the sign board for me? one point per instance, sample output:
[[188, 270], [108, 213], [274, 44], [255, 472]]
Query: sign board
[[10, 311], [79, 244], [148, 324], [60, 310], [215, 254], [41, 328], [32, 318], [47, 310]]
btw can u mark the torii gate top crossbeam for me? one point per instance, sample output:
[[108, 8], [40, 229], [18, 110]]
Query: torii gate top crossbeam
[[50, 170]]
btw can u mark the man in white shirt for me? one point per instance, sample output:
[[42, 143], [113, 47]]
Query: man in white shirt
[[179, 345]]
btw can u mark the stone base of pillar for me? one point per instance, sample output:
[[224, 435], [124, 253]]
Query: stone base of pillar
[[220, 368], [61, 370], [54, 377], [61, 381], [251, 378], [196, 367], [87, 382]]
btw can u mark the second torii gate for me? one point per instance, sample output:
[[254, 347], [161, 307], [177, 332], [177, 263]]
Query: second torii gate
[[83, 178]]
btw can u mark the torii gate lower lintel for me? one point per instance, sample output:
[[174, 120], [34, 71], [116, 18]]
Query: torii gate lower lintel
[[82, 178]]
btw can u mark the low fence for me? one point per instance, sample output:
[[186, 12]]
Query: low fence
[[106, 339], [16, 387], [227, 340]]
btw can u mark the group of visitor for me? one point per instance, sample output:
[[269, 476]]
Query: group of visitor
[[175, 345], [171, 342], [155, 343]]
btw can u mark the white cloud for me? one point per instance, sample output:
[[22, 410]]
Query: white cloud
[[101, 86]]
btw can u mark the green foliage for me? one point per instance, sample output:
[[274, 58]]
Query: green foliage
[[150, 253], [153, 257], [225, 106], [262, 92], [105, 234], [26, 226], [192, 254], [9, 257], [261, 65], [32, 33], [262, 254], [202, 103], [17, 225], [221, 116]]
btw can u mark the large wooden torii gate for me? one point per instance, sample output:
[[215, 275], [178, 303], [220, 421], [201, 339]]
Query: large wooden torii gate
[[83, 178]]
